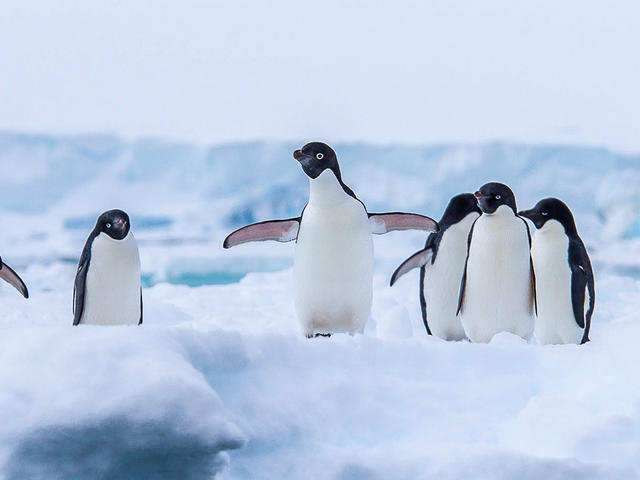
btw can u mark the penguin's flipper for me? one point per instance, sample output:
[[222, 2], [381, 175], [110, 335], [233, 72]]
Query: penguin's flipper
[[417, 260], [11, 277], [81, 279], [463, 282], [278, 230], [582, 284], [463, 286], [141, 308], [578, 288], [533, 293], [591, 290], [388, 222]]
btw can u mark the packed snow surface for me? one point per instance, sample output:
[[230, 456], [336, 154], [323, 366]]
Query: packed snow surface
[[219, 382]]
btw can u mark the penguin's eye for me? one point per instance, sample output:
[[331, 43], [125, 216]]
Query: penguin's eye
[[319, 156], [498, 197], [108, 225], [544, 214]]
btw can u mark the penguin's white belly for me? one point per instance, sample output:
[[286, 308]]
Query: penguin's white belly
[[555, 323], [498, 285], [112, 288], [333, 268], [442, 281]]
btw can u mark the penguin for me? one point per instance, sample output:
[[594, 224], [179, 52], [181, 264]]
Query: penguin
[[497, 291], [12, 278], [107, 287], [564, 278], [441, 264], [333, 264]]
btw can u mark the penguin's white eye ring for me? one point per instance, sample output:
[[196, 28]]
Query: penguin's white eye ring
[[319, 156], [108, 225], [498, 197], [544, 214]]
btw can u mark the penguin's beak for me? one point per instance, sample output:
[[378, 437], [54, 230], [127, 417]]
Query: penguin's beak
[[534, 216], [298, 155], [482, 203], [121, 224]]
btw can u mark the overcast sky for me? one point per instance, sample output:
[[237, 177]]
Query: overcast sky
[[394, 71]]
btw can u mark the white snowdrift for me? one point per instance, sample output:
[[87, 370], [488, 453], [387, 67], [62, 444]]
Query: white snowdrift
[[224, 369], [219, 382]]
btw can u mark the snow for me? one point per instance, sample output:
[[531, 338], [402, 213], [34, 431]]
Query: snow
[[219, 382], [225, 368]]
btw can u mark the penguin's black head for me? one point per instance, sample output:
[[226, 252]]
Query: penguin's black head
[[316, 157], [550, 209], [494, 195], [459, 207], [114, 223]]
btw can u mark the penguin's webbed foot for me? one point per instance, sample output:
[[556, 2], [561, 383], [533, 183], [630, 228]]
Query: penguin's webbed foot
[[316, 335]]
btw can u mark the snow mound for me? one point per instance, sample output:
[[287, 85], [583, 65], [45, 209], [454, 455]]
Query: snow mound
[[109, 403], [219, 382]]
